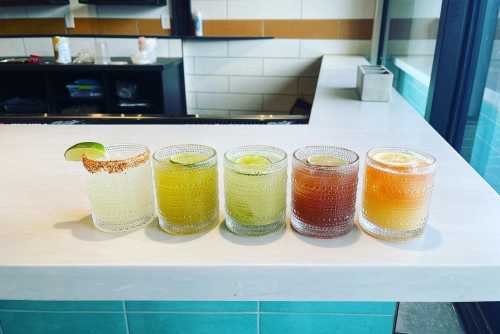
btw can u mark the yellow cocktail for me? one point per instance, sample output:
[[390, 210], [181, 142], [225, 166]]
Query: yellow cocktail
[[397, 192], [186, 188]]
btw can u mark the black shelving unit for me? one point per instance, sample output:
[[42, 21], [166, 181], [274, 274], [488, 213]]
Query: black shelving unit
[[125, 2], [33, 2], [43, 88]]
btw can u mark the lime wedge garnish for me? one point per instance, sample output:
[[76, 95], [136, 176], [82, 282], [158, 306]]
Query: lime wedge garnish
[[188, 158], [89, 149], [396, 159], [325, 160]]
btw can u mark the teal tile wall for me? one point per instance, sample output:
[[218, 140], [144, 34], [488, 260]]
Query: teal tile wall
[[194, 317], [328, 307], [324, 324], [191, 306], [169, 323], [15, 322]]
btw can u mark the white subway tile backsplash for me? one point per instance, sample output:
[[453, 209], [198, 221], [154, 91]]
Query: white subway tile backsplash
[[318, 48], [120, 47], [270, 48], [340, 9], [280, 103], [191, 100], [162, 48], [205, 48], [228, 66], [244, 112], [210, 9], [82, 10], [41, 46], [229, 101], [13, 12], [46, 11], [209, 112], [307, 86], [143, 12], [12, 47], [78, 44], [292, 67], [264, 9], [263, 85], [208, 84], [188, 65], [175, 48]]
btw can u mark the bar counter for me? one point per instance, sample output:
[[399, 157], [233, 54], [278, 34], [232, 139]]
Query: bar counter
[[51, 251]]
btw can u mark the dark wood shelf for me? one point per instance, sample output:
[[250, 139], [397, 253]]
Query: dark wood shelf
[[224, 38], [152, 119], [81, 99], [187, 38], [124, 2], [54, 67], [14, 3]]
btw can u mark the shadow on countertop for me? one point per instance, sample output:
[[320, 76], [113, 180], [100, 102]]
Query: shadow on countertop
[[84, 229], [250, 240]]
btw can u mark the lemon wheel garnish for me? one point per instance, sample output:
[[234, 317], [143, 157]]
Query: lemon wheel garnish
[[324, 160], [188, 158], [91, 150], [397, 159]]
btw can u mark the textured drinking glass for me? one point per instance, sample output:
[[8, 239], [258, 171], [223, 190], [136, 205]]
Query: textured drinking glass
[[120, 188], [186, 188], [397, 192], [324, 182], [255, 189]]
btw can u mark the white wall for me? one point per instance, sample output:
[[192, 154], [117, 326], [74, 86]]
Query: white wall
[[236, 77], [227, 77], [118, 47], [263, 76], [82, 10], [284, 9]]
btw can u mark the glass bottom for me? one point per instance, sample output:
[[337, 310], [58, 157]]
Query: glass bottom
[[186, 229], [122, 227], [254, 230], [323, 232], [389, 234]]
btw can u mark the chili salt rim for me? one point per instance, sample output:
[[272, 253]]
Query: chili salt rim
[[115, 166]]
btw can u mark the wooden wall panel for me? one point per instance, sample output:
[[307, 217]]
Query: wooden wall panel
[[355, 29], [233, 28], [52, 26]]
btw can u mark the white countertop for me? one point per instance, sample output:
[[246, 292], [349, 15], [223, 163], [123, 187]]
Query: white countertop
[[49, 249]]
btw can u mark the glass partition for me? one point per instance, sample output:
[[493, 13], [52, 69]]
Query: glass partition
[[412, 27], [481, 145]]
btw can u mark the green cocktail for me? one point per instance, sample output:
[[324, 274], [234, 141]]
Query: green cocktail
[[255, 179]]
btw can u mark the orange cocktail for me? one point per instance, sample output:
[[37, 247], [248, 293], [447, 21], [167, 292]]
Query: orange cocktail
[[397, 192]]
